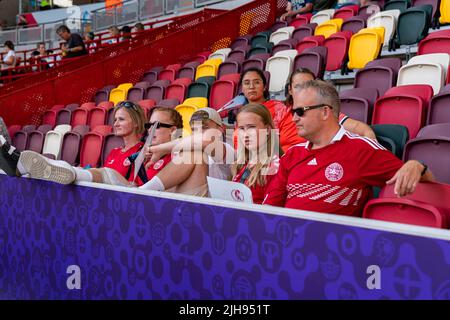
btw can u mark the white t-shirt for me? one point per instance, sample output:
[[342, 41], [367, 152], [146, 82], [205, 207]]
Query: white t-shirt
[[222, 169], [10, 54]]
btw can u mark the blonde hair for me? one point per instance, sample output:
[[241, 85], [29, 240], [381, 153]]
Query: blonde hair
[[256, 175], [137, 116]]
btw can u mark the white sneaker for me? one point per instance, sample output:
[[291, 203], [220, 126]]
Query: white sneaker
[[40, 167]]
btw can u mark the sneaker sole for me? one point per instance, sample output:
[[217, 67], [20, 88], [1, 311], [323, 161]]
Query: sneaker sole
[[39, 168]]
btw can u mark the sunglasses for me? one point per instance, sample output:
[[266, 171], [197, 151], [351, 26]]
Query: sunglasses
[[301, 111], [128, 105], [159, 125]]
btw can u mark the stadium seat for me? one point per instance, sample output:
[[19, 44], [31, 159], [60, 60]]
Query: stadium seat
[[432, 146], [72, 143], [63, 116], [338, 44], [404, 211], [103, 94], [364, 47], [36, 138], [346, 12], [433, 193], [202, 56], [436, 42], [398, 134], [412, 26], [435, 12], [358, 103], [426, 69], [146, 104], [387, 20], [222, 91], [308, 42], [280, 67], [81, 115], [228, 67], [257, 61], [313, 59], [120, 93], [241, 41], [404, 105], [260, 49], [380, 74], [208, 69], [354, 24], [138, 92], [260, 38], [368, 10], [322, 16], [157, 90], [151, 75], [169, 103], [111, 142], [170, 72], [303, 31], [13, 129], [300, 19], [178, 89], [188, 70], [278, 25], [439, 111], [281, 34], [238, 55], [49, 116], [220, 54], [187, 108], [400, 5], [53, 140], [284, 45], [106, 105], [329, 27], [445, 12], [98, 116]]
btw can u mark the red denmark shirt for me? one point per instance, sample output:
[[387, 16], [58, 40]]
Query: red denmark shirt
[[334, 179], [119, 161], [155, 168]]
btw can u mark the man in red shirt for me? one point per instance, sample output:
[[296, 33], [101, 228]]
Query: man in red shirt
[[333, 171]]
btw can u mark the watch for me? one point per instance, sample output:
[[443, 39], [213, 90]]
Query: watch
[[425, 167]]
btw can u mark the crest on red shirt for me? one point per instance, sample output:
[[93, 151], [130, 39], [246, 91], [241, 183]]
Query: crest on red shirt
[[334, 172], [126, 162], [237, 195], [158, 164]]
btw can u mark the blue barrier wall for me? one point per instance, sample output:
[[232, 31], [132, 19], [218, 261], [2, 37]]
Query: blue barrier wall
[[130, 246]]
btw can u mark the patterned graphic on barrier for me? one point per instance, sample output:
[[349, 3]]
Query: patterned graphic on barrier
[[130, 246]]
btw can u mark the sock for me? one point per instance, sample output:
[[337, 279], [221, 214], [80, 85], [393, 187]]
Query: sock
[[154, 184], [83, 174]]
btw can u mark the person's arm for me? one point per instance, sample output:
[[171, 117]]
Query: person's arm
[[407, 177], [276, 190], [288, 10], [307, 8], [359, 128], [9, 61]]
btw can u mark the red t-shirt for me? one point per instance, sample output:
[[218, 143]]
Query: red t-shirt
[[333, 179], [154, 169], [119, 161], [258, 191]]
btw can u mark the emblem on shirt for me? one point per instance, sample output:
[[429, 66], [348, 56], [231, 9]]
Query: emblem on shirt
[[237, 195], [334, 172], [158, 164], [126, 162]]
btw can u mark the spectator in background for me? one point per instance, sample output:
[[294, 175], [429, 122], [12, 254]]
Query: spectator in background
[[323, 5], [114, 34], [9, 59], [126, 33], [89, 40], [75, 46], [295, 7], [138, 27]]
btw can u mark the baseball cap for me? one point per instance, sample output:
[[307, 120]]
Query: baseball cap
[[206, 114]]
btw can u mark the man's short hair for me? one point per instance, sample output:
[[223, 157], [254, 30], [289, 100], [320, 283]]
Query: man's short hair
[[326, 93], [62, 28]]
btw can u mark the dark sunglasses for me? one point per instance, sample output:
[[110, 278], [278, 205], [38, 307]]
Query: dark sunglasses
[[128, 105], [160, 125], [301, 111]]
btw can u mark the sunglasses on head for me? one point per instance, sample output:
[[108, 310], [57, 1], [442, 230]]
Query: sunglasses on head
[[160, 125], [301, 110], [128, 105]]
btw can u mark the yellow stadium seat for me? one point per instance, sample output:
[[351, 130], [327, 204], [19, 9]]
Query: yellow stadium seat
[[445, 12], [329, 27], [365, 46], [187, 108], [208, 69], [120, 93]]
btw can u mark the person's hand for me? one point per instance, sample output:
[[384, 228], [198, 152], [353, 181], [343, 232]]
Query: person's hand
[[406, 178], [152, 155], [284, 16]]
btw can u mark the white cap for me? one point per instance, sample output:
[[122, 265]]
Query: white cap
[[207, 114]]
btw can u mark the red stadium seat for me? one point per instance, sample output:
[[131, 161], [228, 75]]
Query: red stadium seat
[[222, 91], [338, 44], [346, 12], [36, 138], [13, 129], [300, 19], [111, 141], [178, 89], [98, 116], [308, 42], [106, 105], [71, 144], [157, 90]]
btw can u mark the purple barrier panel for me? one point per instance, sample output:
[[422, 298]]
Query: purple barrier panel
[[127, 246]]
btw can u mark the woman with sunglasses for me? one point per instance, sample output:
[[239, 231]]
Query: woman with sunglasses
[[253, 84], [258, 150], [129, 120], [301, 76]]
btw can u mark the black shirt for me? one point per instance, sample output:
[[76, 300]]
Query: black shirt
[[75, 41]]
